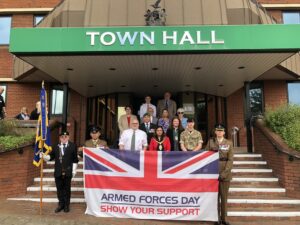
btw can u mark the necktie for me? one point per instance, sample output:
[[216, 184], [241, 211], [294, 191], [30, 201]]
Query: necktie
[[63, 149], [147, 127], [132, 148], [148, 107], [167, 104]]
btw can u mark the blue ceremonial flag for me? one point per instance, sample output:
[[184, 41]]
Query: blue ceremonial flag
[[42, 139]]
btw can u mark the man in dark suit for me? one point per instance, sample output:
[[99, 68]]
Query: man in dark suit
[[168, 104], [66, 161], [148, 127]]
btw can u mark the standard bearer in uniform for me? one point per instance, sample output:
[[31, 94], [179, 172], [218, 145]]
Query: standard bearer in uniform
[[224, 147]]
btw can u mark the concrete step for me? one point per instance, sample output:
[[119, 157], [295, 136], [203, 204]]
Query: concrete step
[[270, 214], [241, 192], [46, 200], [263, 205]]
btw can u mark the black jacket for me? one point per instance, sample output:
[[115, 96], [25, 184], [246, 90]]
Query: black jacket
[[149, 134], [171, 137], [34, 115], [69, 157]]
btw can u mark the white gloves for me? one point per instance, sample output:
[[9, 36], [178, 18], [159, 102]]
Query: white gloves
[[45, 157], [74, 169]]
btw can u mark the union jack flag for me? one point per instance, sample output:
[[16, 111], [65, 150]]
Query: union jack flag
[[163, 173]]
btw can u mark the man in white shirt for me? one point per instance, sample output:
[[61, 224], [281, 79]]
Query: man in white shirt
[[133, 139], [146, 106]]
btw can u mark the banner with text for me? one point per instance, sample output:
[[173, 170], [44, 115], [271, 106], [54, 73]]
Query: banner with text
[[151, 185]]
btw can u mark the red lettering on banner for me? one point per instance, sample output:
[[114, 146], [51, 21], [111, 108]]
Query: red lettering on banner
[[178, 211], [142, 210], [113, 208]]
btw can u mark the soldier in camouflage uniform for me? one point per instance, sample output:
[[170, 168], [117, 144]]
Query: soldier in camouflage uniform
[[224, 147], [190, 139]]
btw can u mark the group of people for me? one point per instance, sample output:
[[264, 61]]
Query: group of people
[[150, 135], [34, 115], [23, 115], [162, 128]]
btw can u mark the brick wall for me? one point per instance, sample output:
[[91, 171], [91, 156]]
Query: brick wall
[[235, 114], [6, 63], [287, 171], [17, 172], [28, 3], [275, 93], [21, 94]]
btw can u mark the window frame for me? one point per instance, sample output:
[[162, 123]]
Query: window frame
[[257, 85], [287, 89], [4, 85], [56, 88], [290, 11], [11, 18], [34, 19]]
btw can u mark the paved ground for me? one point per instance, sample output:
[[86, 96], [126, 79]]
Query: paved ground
[[26, 213]]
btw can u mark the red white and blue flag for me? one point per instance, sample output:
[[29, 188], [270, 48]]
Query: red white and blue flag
[[151, 185]]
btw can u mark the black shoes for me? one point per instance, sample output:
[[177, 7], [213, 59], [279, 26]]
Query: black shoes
[[59, 208], [222, 223], [67, 209]]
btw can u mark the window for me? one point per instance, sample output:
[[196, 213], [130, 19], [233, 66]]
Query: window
[[57, 99], [5, 24], [292, 17], [37, 19], [256, 98], [4, 92], [294, 93]]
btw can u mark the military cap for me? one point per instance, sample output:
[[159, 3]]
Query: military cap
[[190, 120], [64, 133], [220, 127], [95, 129]]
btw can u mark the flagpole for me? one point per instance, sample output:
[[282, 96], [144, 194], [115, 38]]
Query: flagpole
[[42, 168], [41, 181]]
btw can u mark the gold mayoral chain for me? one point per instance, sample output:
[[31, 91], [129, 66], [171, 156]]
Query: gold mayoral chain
[[160, 146]]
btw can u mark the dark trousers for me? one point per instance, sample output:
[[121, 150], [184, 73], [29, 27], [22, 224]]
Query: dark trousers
[[222, 199], [63, 187]]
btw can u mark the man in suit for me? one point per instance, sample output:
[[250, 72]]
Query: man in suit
[[34, 115], [66, 161], [153, 119], [148, 127], [168, 104], [126, 120]]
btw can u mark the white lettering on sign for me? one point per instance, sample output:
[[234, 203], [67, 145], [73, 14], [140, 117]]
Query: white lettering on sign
[[92, 34], [150, 40], [111, 36], [213, 38], [186, 37], [142, 38], [172, 37], [200, 41], [127, 36]]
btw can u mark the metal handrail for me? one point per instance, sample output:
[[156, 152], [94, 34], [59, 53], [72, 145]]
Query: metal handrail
[[291, 156]]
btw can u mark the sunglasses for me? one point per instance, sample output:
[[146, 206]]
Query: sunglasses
[[180, 112]]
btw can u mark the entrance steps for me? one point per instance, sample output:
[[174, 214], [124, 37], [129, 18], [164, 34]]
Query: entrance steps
[[254, 194]]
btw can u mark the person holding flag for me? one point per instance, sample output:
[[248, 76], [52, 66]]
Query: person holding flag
[[66, 161]]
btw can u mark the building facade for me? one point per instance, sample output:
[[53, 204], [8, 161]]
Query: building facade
[[228, 87]]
